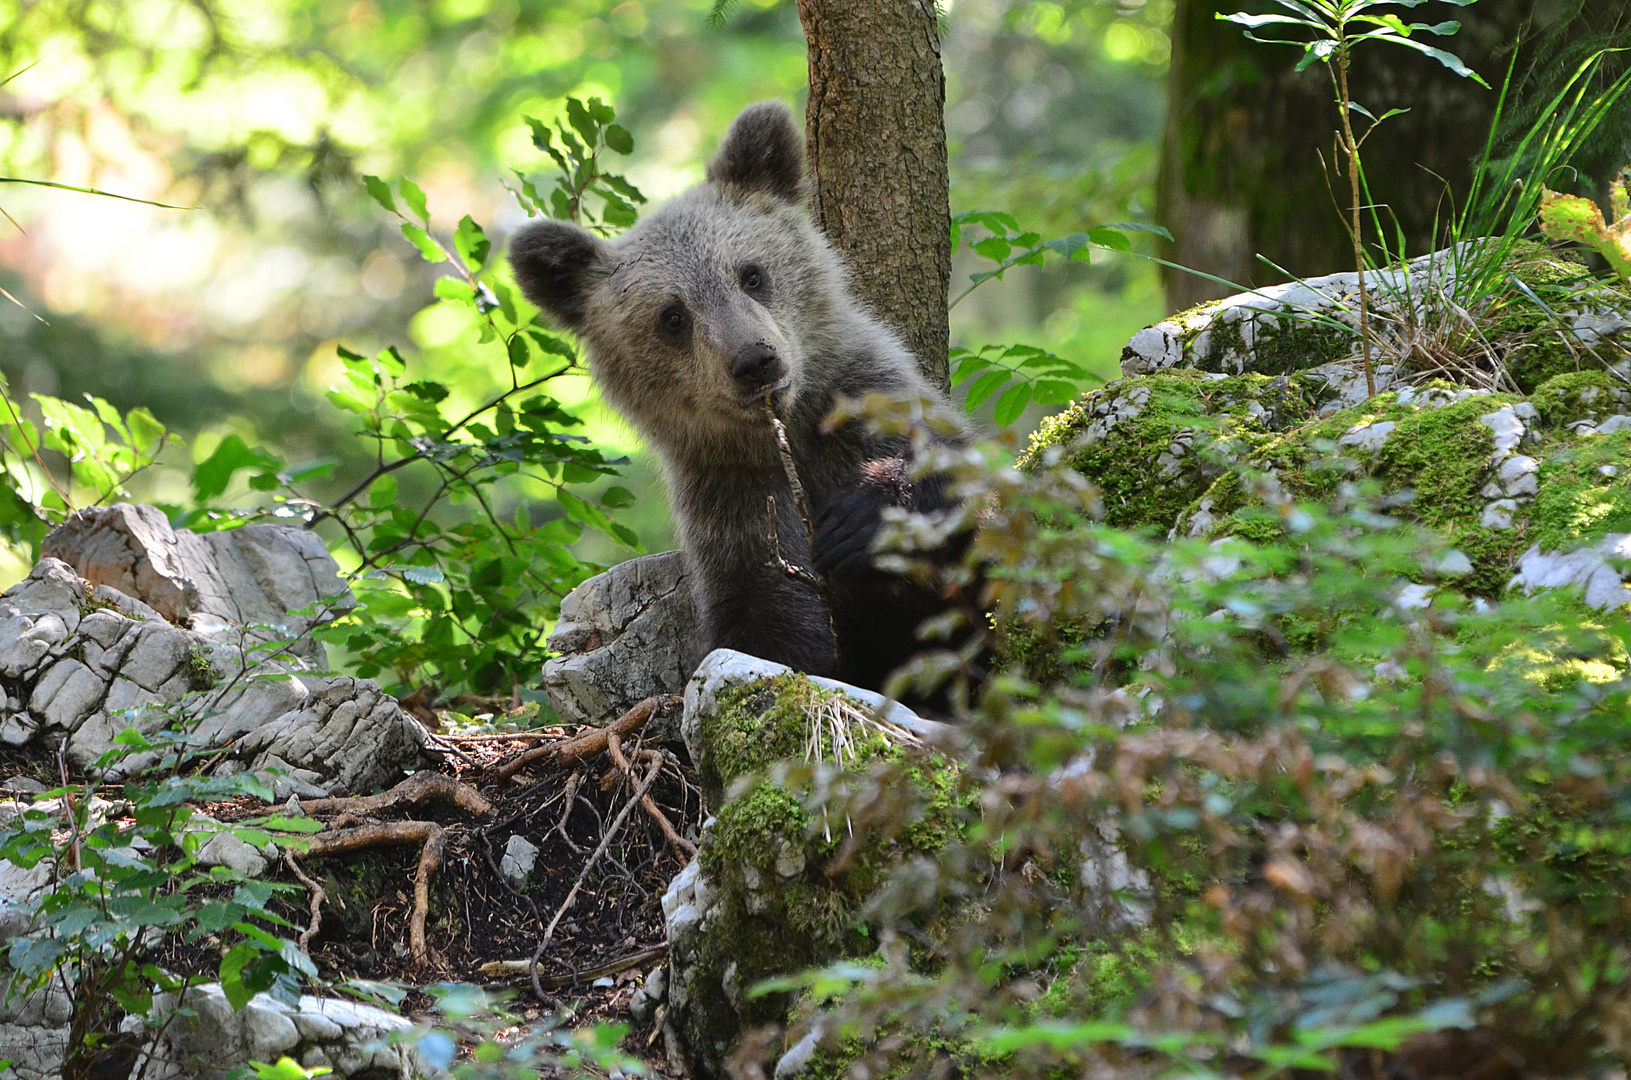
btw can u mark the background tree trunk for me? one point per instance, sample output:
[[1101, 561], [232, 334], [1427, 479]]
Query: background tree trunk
[[876, 138], [1240, 158]]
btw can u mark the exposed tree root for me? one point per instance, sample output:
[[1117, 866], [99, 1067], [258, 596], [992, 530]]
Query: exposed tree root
[[317, 898], [425, 833], [614, 746], [421, 787], [560, 982], [589, 743]]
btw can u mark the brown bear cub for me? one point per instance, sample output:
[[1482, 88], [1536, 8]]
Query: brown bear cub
[[690, 319]]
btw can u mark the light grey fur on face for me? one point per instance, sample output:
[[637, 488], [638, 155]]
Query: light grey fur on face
[[692, 253]]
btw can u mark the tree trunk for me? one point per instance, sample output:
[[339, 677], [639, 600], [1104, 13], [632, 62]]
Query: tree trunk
[[876, 139], [1241, 169]]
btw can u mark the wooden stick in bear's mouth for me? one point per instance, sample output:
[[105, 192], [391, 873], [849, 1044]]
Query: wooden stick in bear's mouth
[[798, 573]]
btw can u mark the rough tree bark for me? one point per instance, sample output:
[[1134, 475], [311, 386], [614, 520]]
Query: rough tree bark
[[876, 139], [1240, 160]]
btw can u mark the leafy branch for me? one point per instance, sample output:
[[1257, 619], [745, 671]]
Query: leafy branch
[[1008, 246], [1023, 373], [575, 147]]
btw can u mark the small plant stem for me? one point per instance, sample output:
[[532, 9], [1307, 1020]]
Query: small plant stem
[[1343, 103]]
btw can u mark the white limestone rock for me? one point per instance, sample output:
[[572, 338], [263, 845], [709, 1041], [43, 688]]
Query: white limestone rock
[[623, 636]]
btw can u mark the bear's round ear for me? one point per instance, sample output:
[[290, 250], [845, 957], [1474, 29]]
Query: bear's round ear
[[764, 152], [553, 263]]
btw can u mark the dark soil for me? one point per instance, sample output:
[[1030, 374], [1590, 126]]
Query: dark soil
[[475, 916]]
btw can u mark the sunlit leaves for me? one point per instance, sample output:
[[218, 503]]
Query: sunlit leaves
[[575, 149], [137, 880], [1008, 246], [472, 244], [212, 475], [419, 238], [1336, 26], [103, 447]]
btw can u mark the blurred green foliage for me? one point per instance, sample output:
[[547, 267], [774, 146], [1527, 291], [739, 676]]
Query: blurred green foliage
[[264, 116]]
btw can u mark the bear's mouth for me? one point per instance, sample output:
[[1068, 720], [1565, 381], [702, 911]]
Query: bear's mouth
[[774, 392]]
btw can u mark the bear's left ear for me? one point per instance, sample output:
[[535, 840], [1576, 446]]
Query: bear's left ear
[[763, 151]]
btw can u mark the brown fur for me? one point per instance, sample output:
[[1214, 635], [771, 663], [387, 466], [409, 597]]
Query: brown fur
[[762, 299]]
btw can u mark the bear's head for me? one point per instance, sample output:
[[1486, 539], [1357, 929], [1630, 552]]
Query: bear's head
[[706, 305]]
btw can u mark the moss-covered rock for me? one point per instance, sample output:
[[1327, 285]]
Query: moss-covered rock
[[1529, 319], [1180, 430], [767, 894], [1260, 396]]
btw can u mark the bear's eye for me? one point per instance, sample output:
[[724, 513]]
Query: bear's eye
[[671, 321], [753, 278]]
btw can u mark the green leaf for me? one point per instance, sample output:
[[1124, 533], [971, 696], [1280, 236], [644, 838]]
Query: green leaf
[[471, 244], [145, 428], [1313, 53], [350, 402], [618, 213], [212, 475], [381, 192], [282, 823], [551, 344], [994, 248], [1242, 18], [454, 289], [618, 139], [985, 386], [231, 974], [1448, 59], [617, 498], [517, 349], [967, 367], [581, 121], [1012, 404], [420, 239], [415, 200]]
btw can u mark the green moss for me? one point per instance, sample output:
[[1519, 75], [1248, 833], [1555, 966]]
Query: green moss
[[1585, 492], [1580, 395], [782, 906], [1152, 444], [200, 672], [1527, 335], [1442, 454]]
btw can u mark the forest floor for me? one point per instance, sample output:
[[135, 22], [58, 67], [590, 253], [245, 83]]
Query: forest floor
[[607, 939]]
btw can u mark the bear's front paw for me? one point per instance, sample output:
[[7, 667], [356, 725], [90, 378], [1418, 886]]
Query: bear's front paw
[[846, 525], [841, 546]]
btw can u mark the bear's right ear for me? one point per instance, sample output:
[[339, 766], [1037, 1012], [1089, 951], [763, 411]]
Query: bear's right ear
[[553, 263], [763, 151]]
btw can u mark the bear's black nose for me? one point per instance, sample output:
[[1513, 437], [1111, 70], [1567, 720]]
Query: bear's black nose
[[755, 366]]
